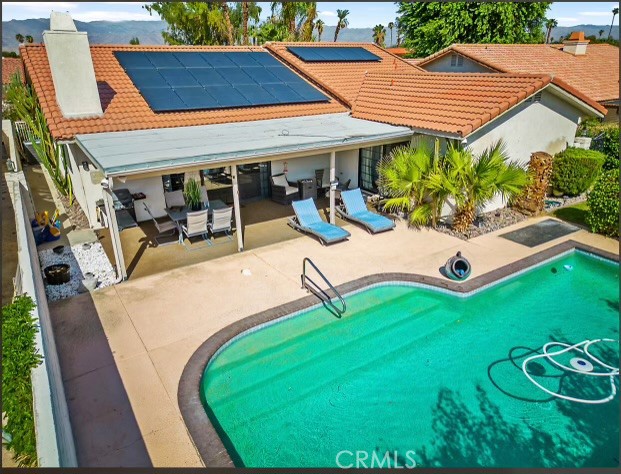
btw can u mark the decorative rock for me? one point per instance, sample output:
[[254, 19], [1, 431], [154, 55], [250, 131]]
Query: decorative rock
[[485, 223], [82, 262]]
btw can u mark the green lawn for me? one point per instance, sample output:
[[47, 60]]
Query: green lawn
[[575, 214]]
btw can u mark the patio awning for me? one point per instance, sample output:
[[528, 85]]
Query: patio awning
[[122, 153]]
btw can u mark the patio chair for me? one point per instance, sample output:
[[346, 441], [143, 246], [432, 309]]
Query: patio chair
[[164, 228], [307, 220], [196, 226], [174, 199], [204, 197], [355, 210], [282, 191], [221, 221]]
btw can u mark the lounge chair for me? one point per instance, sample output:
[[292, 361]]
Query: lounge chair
[[355, 210], [165, 228], [307, 220], [221, 222], [204, 197], [196, 225], [282, 190]]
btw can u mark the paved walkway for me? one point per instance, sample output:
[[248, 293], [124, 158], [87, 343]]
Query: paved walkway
[[123, 348]]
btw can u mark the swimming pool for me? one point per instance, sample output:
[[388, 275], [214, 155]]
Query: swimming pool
[[426, 375]]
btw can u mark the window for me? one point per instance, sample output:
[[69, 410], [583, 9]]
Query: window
[[173, 182], [457, 60], [368, 161]]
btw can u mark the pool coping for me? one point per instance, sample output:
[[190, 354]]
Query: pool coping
[[204, 435]]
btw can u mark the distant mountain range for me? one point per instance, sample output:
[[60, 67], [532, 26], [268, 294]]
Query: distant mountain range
[[150, 32]]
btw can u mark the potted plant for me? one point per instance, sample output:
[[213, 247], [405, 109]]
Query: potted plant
[[192, 195]]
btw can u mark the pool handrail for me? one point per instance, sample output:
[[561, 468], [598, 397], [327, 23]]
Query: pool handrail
[[320, 293]]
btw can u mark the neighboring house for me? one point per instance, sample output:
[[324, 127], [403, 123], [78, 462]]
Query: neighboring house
[[399, 51], [592, 69], [10, 67]]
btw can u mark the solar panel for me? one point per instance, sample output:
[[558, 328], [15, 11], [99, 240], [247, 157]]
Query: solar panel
[[181, 81], [332, 54]]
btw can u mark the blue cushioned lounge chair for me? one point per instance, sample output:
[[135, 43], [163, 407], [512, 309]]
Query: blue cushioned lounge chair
[[307, 220], [354, 209]]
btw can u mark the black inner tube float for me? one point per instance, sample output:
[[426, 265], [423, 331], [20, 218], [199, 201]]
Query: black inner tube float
[[457, 267]]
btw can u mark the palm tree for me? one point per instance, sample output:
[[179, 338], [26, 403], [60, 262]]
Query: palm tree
[[550, 23], [308, 14], [601, 32], [615, 12], [341, 23], [29, 39], [379, 35], [19, 37], [398, 27], [411, 179], [245, 23], [391, 25], [134, 41], [319, 24], [474, 181], [227, 22]]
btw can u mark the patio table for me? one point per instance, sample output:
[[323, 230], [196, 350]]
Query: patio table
[[180, 214]]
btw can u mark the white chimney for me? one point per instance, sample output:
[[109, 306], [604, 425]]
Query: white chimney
[[576, 44], [69, 56]]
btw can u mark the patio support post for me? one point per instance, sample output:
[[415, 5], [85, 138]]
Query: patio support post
[[237, 209], [113, 226], [332, 186]]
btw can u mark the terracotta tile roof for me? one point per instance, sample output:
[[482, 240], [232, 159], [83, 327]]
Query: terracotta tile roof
[[11, 66], [451, 103], [595, 73], [343, 79], [125, 109], [398, 51]]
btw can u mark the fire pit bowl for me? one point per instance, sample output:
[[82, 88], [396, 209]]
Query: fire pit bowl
[[57, 274]]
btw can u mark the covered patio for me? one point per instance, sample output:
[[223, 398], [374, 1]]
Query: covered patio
[[139, 161]]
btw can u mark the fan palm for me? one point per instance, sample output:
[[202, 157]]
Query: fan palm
[[550, 23], [379, 35], [319, 24], [19, 37], [341, 23], [413, 182], [615, 12], [391, 26], [476, 180]]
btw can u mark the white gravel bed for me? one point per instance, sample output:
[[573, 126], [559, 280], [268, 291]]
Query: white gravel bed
[[81, 261]]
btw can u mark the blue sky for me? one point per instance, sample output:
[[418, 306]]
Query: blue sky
[[361, 15]]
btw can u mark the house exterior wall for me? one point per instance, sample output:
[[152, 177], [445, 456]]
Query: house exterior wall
[[612, 115], [547, 126], [443, 64], [298, 168], [87, 192]]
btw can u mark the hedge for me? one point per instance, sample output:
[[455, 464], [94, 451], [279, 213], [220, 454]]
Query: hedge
[[608, 144], [574, 170], [603, 201], [19, 357]]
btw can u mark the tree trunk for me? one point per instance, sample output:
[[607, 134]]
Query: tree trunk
[[229, 25], [245, 21], [464, 217], [336, 32]]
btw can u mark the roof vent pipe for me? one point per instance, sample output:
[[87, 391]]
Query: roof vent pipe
[[71, 64], [576, 44]]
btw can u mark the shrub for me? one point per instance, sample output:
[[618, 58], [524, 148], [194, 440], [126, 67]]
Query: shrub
[[608, 144], [574, 170], [603, 200], [19, 357]]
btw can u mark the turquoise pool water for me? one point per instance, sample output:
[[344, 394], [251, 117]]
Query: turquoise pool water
[[414, 370]]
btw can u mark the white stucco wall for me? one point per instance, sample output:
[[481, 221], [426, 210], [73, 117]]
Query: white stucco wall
[[547, 126], [86, 192], [443, 64], [304, 167]]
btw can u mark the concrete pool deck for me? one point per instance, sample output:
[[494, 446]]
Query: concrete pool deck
[[122, 349]]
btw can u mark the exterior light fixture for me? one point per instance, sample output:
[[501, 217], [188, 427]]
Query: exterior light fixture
[[85, 165]]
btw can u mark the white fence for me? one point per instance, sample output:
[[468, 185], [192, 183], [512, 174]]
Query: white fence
[[55, 445]]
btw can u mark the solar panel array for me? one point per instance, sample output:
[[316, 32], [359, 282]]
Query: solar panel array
[[313, 54], [189, 80]]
